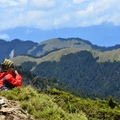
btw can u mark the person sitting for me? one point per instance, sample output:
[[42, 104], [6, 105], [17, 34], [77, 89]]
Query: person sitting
[[9, 77]]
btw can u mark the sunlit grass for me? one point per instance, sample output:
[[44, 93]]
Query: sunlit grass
[[59, 105], [40, 105]]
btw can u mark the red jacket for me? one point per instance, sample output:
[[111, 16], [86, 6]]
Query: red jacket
[[9, 80]]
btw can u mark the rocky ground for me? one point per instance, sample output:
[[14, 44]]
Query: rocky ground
[[11, 110]]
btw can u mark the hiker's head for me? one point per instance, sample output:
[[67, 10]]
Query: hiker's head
[[8, 64]]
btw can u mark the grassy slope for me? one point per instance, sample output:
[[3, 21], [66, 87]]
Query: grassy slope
[[53, 56], [109, 55], [52, 43], [56, 55], [41, 106], [58, 105]]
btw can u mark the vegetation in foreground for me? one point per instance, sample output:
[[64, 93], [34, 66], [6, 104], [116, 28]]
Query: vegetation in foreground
[[59, 105]]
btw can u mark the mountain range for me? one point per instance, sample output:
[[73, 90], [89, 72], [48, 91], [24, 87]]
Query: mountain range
[[75, 62], [103, 34], [17, 47]]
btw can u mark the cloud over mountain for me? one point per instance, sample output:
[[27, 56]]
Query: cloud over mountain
[[58, 13]]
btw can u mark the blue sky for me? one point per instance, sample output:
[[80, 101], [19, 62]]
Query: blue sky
[[95, 20]]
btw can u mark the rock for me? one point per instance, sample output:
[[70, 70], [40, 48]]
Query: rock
[[8, 110], [2, 101], [11, 110]]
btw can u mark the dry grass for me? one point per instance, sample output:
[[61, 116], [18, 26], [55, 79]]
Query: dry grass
[[56, 55]]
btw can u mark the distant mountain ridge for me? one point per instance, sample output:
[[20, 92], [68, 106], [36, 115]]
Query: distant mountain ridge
[[14, 48], [74, 62], [101, 35], [17, 47]]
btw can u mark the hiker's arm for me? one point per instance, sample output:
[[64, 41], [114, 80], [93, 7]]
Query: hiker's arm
[[17, 81]]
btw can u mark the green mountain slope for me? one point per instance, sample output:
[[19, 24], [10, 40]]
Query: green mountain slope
[[43, 83], [91, 71], [59, 105], [82, 71]]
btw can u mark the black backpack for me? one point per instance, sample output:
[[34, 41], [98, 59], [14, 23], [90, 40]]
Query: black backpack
[[2, 67]]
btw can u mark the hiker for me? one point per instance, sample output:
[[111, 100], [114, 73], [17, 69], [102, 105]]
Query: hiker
[[9, 77]]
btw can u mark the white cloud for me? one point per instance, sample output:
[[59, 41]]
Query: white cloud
[[23, 1], [4, 36], [48, 14], [42, 4], [61, 20], [13, 2], [98, 12], [9, 2], [78, 1], [115, 18], [28, 31]]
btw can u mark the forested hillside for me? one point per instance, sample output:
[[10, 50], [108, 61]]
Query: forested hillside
[[81, 72], [44, 83]]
